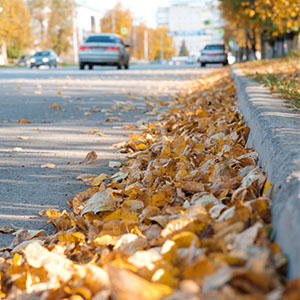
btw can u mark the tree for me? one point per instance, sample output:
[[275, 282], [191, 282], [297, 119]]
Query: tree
[[14, 27], [252, 21], [52, 23], [60, 25], [161, 45], [39, 13], [116, 19], [183, 50]]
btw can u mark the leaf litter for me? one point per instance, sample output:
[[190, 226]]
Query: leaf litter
[[187, 216]]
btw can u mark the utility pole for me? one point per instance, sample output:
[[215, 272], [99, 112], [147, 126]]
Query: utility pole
[[134, 42], [75, 41], [161, 46], [146, 44], [113, 21]]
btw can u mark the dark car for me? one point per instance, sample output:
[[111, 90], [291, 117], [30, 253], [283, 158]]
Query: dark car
[[105, 49], [213, 54], [44, 58]]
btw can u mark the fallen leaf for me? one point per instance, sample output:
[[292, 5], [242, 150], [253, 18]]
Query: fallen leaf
[[24, 234], [55, 106], [5, 229], [99, 179], [24, 121], [90, 157], [48, 166], [99, 202], [247, 237], [114, 164], [128, 286]]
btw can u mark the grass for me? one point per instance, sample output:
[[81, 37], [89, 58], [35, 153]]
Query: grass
[[11, 66], [287, 88], [67, 64], [281, 76]]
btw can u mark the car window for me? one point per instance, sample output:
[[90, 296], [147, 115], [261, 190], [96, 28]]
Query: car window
[[101, 39], [214, 47], [42, 53]]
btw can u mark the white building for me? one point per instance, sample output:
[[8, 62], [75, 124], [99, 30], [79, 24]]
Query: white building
[[197, 22], [86, 20]]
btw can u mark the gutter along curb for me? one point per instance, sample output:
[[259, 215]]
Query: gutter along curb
[[275, 135]]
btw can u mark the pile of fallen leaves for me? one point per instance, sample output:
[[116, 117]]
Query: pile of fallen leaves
[[282, 76], [186, 217]]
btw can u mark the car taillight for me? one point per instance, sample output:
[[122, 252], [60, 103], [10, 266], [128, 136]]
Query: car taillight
[[85, 48], [112, 48]]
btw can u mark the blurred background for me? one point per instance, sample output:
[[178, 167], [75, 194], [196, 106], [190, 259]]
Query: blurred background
[[157, 31]]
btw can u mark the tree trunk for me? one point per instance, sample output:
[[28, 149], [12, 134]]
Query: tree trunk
[[263, 46], [253, 44], [4, 51], [247, 46], [273, 49]]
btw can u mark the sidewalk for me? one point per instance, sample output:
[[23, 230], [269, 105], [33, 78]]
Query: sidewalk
[[275, 135]]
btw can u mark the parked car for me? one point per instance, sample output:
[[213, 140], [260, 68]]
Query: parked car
[[24, 60], [213, 54], [44, 58], [191, 60], [104, 49], [178, 60]]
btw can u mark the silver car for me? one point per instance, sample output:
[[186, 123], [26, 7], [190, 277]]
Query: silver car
[[213, 54], [105, 49]]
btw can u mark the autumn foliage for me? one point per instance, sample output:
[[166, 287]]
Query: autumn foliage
[[159, 43], [255, 21], [187, 216]]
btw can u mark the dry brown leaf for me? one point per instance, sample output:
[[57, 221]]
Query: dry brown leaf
[[5, 229], [24, 121], [90, 157], [48, 166], [55, 106], [128, 286], [99, 202], [24, 234]]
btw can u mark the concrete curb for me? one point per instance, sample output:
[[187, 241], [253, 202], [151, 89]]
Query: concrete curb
[[275, 135]]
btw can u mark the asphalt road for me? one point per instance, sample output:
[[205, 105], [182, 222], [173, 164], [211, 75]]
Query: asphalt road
[[81, 101]]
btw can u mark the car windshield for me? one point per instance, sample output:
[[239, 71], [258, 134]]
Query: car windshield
[[214, 47], [42, 53], [101, 39]]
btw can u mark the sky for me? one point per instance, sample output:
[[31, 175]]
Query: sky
[[143, 10]]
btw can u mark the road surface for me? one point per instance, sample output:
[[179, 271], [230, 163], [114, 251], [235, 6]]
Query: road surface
[[64, 106]]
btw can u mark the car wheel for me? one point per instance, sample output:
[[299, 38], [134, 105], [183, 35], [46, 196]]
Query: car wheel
[[202, 64], [91, 67], [81, 66], [225, 63], [119, 66]]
